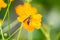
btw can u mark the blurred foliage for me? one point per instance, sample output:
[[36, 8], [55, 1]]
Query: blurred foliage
[[47, 3]]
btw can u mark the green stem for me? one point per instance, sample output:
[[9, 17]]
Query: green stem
[[14, 32], [6, 11], [30, 36], [47, 35], [27, 1], [20, 32], [13, 25], [2, 34], [4, 19], [8, 19], [9, 23], [58, 35]]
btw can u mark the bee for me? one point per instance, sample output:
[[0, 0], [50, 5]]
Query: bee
[[28, 20]]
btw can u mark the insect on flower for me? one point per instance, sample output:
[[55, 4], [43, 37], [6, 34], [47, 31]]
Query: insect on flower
[[28, 16]]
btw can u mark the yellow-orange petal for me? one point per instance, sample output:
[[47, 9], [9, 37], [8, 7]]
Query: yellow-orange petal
[[22, 11], [34, 10], [35, 20], [29, 9], [29, 28], [36, 17], [36, 25], [2, 4], [25, 9], [19, 10], [21, 18]]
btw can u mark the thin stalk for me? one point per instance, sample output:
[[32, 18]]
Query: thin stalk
[[30, 36], [47, 35], [6, 11], [27, 1], [20, 32], [2, 34], [13, 25], [4, 19], [9, 23], [58, 35], [8, 20], [15, 32]]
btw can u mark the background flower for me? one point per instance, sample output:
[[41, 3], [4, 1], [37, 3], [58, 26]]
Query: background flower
[[2, 4]]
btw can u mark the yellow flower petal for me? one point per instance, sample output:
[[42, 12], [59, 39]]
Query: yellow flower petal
[[35, 20], [19, 10], [36, 25], [2, 4], [25, 10], [21, 18], [36, 17], [1, 21], [29, 28]]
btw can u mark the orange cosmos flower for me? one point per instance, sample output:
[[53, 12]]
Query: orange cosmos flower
[[2, 4], [28, 16]]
